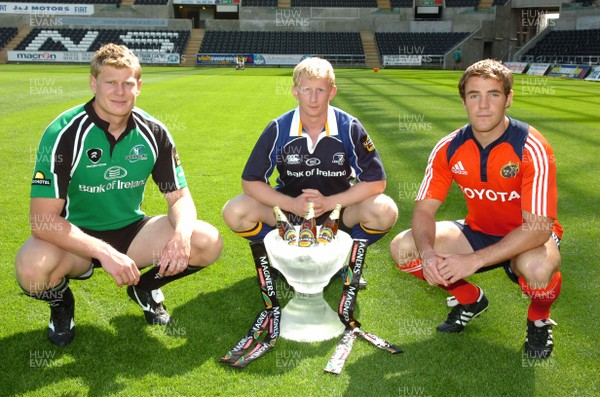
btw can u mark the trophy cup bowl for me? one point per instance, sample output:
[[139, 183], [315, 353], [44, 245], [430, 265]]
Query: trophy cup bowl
[[308, 317]]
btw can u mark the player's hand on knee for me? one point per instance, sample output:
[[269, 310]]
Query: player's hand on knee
[[122, 269], [175, 257]]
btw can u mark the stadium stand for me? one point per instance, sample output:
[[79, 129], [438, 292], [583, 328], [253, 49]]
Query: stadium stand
[[401, 3], [462, 3], [115, 2], [472, 3], [280, 42], [6, 35], [259, 3], [151, 2], [91, 40], [564, 44], [417, 43], [335, 3]]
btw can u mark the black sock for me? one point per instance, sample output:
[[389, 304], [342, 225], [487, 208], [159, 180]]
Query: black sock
[[151, 280], [52, 295]]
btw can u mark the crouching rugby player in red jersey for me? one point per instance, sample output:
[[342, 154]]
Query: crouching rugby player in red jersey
[[506, 171]]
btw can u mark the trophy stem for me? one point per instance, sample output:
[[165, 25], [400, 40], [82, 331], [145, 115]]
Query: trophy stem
[[309, 318]]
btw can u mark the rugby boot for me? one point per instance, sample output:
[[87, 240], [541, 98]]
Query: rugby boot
[[151, 303], [461, 314], [61, 329], [538, 340]]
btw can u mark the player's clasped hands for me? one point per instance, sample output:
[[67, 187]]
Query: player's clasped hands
[[320, 202], [431, 272], [456, 267]]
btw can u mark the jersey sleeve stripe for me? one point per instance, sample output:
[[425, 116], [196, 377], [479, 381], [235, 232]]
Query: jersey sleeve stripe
[[539, 197], [272, 155], [422, 194], [79, 118], [147, 133], [78, 147]]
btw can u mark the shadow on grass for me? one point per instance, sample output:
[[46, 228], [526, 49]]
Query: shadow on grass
[[103, 359], [444, 365]]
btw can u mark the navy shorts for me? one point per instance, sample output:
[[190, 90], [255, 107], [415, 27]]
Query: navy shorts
[[479, 240], [120, 239]]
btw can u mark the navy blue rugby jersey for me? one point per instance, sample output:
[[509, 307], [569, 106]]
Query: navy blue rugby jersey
[[344, 154]]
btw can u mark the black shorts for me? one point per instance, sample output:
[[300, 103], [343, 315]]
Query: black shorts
[[120, 239], [479, 240]]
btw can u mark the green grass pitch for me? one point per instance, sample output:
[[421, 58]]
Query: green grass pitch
[[215, 116]]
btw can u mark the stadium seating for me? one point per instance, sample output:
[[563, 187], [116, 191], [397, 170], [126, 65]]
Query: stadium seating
[[565, 43], [259, 3], [402, 3], [90, 40], [151, 2], [281, 42], [115, 2], [335, 3], [462, 3], [6, 35], [417, 43]]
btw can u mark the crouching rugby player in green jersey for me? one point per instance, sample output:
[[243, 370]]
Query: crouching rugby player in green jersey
[[92, 166]]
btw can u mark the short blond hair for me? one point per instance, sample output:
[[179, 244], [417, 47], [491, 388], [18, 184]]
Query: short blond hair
[[314, 68], [118, 56], [487, 68]]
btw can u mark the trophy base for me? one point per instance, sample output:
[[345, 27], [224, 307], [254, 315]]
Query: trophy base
[[309, 318]]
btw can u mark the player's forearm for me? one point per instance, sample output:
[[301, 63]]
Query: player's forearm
[[182, 213], [423, 231], [423, 225], [524, 238], [57, 231], [266, 195], [356, 194]]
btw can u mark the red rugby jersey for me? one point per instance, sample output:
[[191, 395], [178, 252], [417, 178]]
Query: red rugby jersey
[[514, 173]]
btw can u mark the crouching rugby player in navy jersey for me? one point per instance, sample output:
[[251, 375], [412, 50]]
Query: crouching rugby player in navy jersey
[[92, 166], [506, 171], [322, 155]]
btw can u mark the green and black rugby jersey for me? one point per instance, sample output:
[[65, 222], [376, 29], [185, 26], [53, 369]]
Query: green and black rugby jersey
[[102, 179]]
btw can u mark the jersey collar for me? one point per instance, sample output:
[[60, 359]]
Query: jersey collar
[[104, 124], [330, 126]]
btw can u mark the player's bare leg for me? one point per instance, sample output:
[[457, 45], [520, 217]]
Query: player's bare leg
[[467, 300], [148, 247], [43, 271], [248, 218], [541, 280]]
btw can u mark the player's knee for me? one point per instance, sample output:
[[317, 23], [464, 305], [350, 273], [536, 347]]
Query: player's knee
[[385, 211], [538, 273], [31, 271], [233, 213], [207, 245], [403, 249]]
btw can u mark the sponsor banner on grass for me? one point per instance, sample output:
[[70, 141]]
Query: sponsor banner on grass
[[516, 67], [538, 69], [594, 74], [46, 9], [86, 57], [569, 71]]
